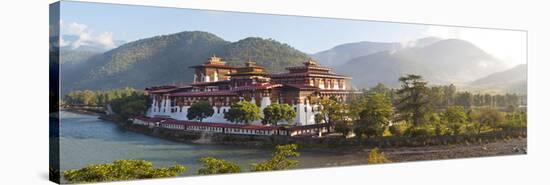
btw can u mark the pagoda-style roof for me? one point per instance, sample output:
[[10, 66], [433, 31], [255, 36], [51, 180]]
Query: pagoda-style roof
[[258, 86], [310, 65], [301, 86], [250, 69], [204, 93], [212, 83], [309, 74], [214, 62], [165, 89]]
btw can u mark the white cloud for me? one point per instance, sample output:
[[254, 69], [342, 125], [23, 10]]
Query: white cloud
[[106, 39], [509, 46], [86, 36]]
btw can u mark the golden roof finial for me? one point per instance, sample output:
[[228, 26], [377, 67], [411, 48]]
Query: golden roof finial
[[214, 59], [310, 61], [250, 63]]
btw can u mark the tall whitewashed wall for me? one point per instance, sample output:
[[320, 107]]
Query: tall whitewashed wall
[[305, 113]]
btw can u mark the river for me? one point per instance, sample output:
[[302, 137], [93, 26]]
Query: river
[[85, 139]]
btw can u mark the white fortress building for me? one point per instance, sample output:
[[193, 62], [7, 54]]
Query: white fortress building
[[223, 85]]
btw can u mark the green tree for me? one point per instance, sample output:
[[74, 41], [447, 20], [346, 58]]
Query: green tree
[[120, 170], [280, 159], [455, 117], [332, 110], [413, 102], [275, 113], [200, 110], [129, 106], [486, 117], [243, 112], [376, 115], [342, 127], [211, 165]]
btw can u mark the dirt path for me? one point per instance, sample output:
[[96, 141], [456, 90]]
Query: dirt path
[[508, 147], [358, 156]]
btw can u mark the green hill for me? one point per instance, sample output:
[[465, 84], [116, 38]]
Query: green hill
[[166, 60]]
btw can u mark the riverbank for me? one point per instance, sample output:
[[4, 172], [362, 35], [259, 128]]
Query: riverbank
[[102, 141], [95, 111], [352, 151]]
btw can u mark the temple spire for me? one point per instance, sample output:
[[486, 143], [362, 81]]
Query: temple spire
[[311, 62], [215, 60], [250, 63]]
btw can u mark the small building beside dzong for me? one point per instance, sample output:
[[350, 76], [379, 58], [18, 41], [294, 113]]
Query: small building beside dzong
[[223, 85]]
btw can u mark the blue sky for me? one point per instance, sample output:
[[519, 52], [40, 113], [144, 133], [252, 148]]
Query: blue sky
[[106, 22]]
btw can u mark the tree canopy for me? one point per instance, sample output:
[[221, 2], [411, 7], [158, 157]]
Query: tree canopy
[[120, 170], [211, 165], [376, 115], [413, 102], [243, 112], [280, 159], [200, 110], [455, 117], [274, 113]]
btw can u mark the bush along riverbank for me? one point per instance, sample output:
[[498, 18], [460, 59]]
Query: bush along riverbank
[[323, 142]]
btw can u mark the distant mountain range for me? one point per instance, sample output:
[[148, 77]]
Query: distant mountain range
[[442, 62], [341, 54], [512, 80], [166, 60]]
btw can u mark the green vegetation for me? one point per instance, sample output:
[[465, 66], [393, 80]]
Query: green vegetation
[[280, 159], [166, 59], [98, 98], [454, 117], [417, 109], [200, 110], [275, 113], [243, 112], [128, 107], [125, 103], [413, 103], [375, 116], [269, 53], [377, 157], [486, 117], [331, 110], [120, 170], [211, 165], [343, 127]]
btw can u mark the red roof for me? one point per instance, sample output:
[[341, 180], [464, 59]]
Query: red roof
[[308, 74], [304, 127], [214, 65], [210, 124], [257, 86], [156, 90], [302, 86], [206, 93], [209, 83]]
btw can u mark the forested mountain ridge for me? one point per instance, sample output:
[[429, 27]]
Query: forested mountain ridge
[[166, 60], [268, 53]]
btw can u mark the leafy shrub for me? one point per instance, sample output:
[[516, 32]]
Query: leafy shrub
[[377, 157], [120, 170], [398, 129]]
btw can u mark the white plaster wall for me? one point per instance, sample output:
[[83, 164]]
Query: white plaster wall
[[304, 117], [218, 117]]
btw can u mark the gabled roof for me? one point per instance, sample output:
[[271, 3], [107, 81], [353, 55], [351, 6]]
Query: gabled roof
[[205, 93]]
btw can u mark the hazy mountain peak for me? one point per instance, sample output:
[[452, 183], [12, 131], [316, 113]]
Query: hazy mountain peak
[[442, 62]]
